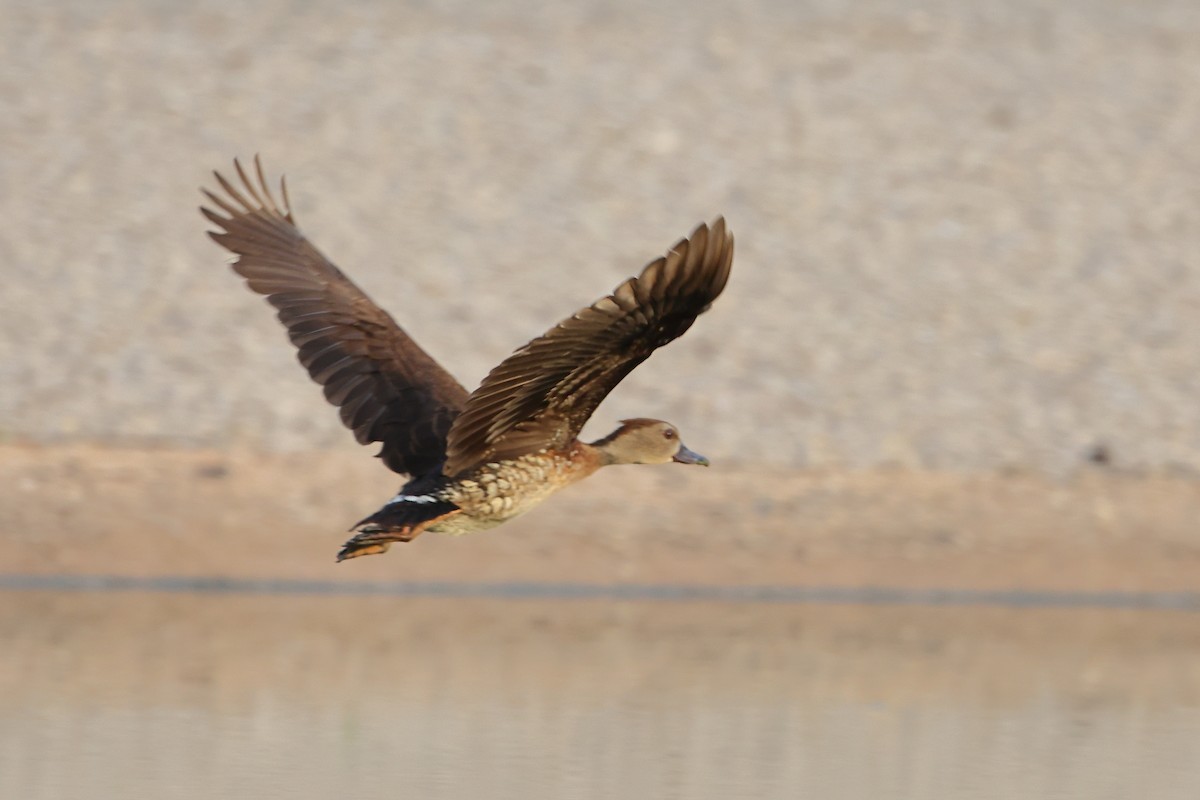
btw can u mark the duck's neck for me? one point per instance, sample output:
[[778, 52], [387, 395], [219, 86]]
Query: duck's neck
[[585, 459], [607, 451]]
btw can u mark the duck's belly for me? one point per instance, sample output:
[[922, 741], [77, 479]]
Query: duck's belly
[[500, 491], [460, 524]]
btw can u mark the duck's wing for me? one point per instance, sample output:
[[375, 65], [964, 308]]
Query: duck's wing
[[388, 389], [542, 394]]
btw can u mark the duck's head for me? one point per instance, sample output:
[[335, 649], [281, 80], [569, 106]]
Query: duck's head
[[646, 441]]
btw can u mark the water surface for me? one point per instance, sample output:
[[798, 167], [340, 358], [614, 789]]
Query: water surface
[[180, 695]]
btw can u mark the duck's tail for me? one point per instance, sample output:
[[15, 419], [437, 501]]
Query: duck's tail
[[401, 520]]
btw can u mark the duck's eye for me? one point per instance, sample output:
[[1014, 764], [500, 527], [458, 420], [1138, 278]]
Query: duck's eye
[[668, 434]]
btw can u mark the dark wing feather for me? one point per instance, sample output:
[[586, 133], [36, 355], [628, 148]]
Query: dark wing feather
[[542, 394], [388, 389]]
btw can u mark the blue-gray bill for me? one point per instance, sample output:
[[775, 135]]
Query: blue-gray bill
[[685, 456]]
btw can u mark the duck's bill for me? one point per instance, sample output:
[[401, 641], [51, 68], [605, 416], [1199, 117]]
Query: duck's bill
[[685, 456]]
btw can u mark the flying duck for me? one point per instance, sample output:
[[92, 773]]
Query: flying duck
[[474, 460]]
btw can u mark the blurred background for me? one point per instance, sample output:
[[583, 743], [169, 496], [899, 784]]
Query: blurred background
[[948, 547]]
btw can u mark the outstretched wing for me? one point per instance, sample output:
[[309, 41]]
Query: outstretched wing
[[388, 389], [542, 394]]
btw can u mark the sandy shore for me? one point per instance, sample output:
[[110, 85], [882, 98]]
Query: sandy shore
[[96, 510]]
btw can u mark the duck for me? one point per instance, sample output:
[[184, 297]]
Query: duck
[[472, 460]]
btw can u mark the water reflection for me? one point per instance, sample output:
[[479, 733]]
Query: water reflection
[[160, 695]]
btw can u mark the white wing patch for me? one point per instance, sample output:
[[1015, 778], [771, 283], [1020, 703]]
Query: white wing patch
[[413, 498]]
